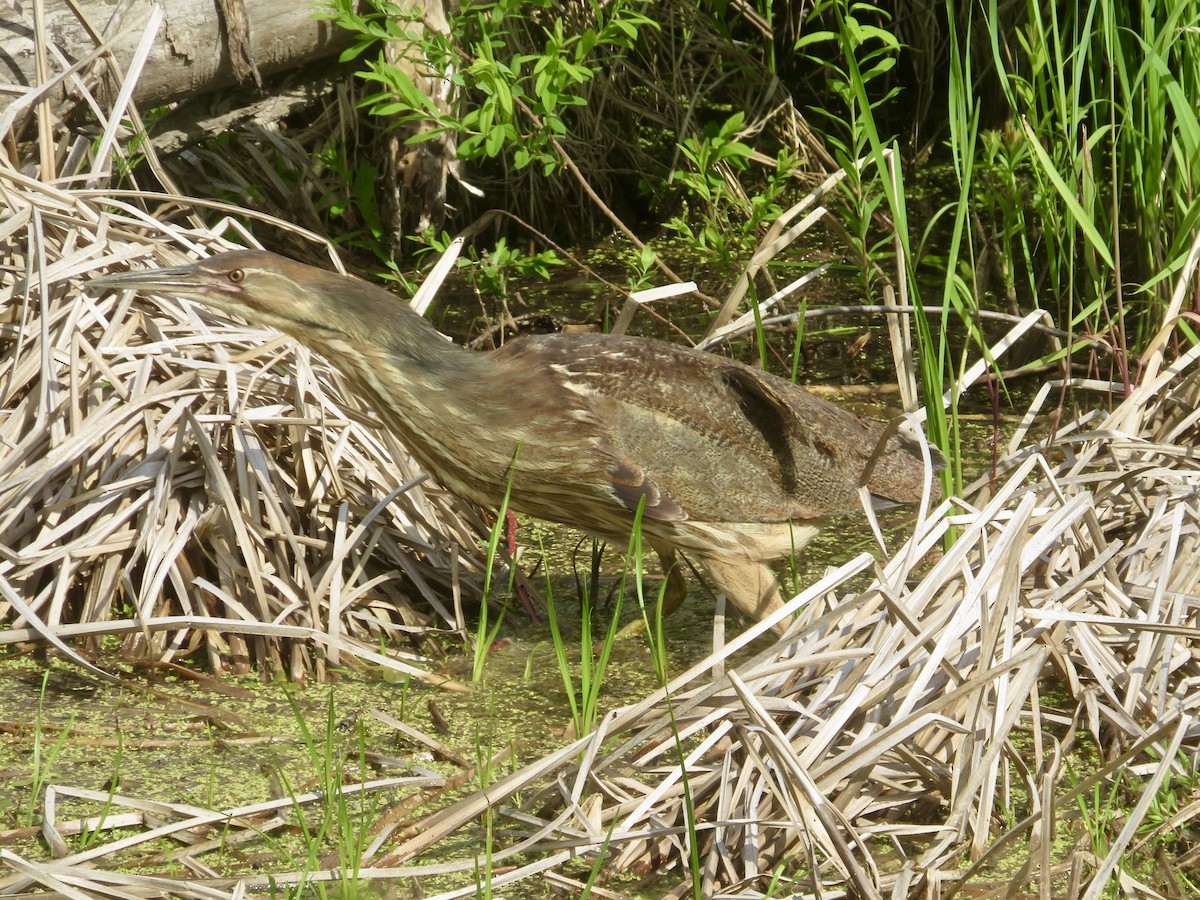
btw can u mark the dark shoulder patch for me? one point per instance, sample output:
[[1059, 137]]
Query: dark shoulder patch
[[770, 419]]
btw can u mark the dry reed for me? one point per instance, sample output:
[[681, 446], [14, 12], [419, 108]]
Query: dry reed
[[162, 466]]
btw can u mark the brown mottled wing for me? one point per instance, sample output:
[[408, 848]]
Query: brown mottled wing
[[697, 444]]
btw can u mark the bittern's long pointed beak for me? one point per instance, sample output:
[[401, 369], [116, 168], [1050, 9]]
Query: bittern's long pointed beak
[[184, 281], [268, 290]]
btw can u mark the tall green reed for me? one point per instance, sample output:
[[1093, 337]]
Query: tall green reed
[[859, 54], [1105, 127], [584, 695], [485, 636], [44, 758], [343, 822], [652, 618]]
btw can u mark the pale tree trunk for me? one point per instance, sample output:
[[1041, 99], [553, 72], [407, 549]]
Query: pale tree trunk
[[202, 46]]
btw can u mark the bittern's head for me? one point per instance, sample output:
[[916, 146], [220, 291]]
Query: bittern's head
[[257, 286]]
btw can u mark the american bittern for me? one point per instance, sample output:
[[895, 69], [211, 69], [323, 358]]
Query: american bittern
[[732, 465]]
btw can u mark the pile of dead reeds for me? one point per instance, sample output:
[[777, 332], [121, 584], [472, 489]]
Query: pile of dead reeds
[[202, 488]]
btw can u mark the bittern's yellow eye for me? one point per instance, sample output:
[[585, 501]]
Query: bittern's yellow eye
[[237, 276]]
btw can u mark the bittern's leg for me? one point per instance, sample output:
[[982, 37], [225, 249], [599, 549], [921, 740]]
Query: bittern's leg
[[750, 586], [673, 595], [676, 590]]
